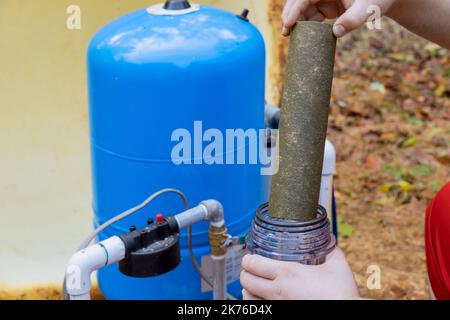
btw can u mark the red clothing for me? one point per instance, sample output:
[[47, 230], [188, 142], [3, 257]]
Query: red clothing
[[437, 243]]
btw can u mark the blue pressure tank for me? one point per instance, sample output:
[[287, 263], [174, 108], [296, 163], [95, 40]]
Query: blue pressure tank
[[157, 77]]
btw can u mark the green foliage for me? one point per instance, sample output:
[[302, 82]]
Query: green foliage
[[399, 173], [421, 171], [344, 229], [410, 142], [436, 186], [392, 171], [413, 120]]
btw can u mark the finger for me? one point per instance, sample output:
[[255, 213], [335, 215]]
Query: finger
[[260, 266], [256, 285], [286, 10], [285, 31], [317, 17], [311, 11], [300, 18], [298, 9], [355, 16], [343, 6], [313, 14], [248, 296], [330, 10]]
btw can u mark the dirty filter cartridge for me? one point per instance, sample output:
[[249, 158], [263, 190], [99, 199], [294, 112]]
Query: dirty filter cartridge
[[303, 125]]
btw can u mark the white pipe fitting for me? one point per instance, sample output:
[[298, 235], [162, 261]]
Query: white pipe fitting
[[215, 212], [329, 168], [208, 210], [86, 261]]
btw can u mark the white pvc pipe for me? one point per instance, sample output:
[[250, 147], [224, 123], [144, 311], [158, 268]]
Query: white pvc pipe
[[329, 168], [84, 297], [84, 262]]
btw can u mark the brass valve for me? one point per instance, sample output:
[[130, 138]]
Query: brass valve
[[217, 237]]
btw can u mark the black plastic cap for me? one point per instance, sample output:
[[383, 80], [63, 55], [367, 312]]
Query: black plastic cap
[[152, 250], [244, 15], [156, 259], [177, 5]]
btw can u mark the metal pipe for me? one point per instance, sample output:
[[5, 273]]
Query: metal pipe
[[211, 210], [191, 216], [208, 210], [218, 235], [215, 212], [220, 278], [309, 72]]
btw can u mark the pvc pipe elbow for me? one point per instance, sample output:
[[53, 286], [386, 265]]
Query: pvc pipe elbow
[[86, 261], [208, 210], [215, 212]]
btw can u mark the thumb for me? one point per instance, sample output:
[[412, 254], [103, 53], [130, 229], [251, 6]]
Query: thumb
[[354, 17]]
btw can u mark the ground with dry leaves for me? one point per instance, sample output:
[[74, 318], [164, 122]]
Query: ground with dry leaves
[[390, 123]]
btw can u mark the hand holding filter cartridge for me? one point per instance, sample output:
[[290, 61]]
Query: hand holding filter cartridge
[[294, 227], [303, 124]]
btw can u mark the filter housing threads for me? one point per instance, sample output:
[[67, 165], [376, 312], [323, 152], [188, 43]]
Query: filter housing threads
[[291, 240]]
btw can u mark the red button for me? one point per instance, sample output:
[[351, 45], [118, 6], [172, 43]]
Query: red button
[[159, 218]]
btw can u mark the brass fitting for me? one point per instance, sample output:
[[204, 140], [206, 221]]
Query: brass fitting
[[217, 237]]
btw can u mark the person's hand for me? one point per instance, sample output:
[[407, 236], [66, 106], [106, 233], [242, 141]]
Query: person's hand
[[351, 14], [268, 279]]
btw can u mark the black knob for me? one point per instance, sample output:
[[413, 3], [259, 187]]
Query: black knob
[[177, 5], [147, 237], [244, 15], [132, 228]]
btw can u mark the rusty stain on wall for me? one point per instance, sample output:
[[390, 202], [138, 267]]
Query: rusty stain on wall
[[279, 49]]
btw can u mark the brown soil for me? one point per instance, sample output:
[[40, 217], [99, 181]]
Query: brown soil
[[42, 293], [390, 125]]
